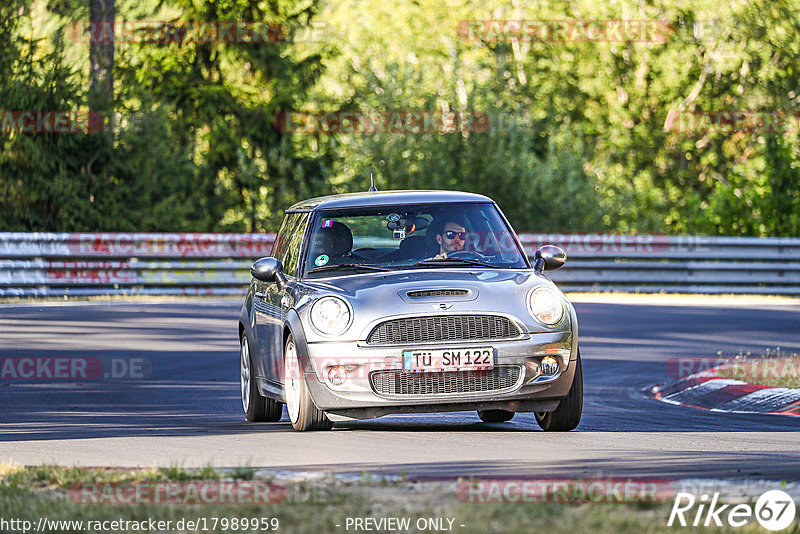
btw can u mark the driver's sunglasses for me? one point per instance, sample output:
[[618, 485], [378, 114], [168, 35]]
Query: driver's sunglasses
[[450, 234]]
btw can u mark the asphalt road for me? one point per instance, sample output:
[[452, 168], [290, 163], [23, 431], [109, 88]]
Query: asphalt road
[[185, 410]]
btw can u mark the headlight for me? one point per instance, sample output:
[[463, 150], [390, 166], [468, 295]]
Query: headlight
[[545, 306], [330, 315]]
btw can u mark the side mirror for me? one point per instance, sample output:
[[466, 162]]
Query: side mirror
[[549, 257], [268, 270]]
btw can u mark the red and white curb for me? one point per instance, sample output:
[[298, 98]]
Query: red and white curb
[[709, 391]]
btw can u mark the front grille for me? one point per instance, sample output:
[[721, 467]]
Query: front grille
[[443, 328], [400, 383], [437, 293]]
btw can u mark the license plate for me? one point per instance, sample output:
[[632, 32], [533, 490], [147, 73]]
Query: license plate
[[438, 360]]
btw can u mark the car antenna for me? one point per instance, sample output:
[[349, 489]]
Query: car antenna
[[372, 188]]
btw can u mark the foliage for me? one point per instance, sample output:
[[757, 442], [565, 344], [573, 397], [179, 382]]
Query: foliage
[[577, 140]]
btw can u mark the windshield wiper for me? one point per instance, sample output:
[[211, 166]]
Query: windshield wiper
[[367, 266], [464, 261]]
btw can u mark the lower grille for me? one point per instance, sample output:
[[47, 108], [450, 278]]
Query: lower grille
[[401, 383]]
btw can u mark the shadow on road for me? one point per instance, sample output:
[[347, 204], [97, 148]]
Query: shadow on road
[[193, 383], [635, 464]]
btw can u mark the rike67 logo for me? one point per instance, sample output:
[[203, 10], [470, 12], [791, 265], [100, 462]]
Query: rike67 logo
[[774, 510]]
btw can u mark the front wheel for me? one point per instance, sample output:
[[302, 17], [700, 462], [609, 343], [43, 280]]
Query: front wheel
[[303, 414], [256, 407], [568, 414]]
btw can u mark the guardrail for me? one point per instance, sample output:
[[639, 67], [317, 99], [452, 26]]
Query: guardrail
[[82, 264], [85, 264], [675, 264]]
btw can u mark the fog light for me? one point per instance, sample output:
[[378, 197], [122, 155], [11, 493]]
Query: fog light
[[337, 375], [549, 366]]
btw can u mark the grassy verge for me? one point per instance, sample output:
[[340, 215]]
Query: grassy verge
[[319, 506], [773, 368]]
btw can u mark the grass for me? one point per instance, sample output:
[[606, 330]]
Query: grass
[[773, 368], [319, 505]]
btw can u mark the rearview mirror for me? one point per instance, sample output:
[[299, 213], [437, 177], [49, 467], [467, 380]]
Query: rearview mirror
[[549, 257], [268, 270]]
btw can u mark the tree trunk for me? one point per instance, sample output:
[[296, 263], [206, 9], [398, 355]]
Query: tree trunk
[[101, 61]]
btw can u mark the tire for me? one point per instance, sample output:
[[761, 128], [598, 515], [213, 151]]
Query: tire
[[303, 414], [495, 416], [568, 413], [256, 407]]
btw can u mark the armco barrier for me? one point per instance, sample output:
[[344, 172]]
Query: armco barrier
[[83, 264], [50, 264], [675, 264]]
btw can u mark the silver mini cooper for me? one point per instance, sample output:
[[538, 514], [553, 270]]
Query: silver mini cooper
[[406, 302]]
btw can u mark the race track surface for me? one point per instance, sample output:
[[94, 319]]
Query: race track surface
[[187, 411]]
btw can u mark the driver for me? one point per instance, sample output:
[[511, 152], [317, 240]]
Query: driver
[[452, 238]]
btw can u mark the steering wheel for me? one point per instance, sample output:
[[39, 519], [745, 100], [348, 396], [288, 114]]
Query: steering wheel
[[468, 254]]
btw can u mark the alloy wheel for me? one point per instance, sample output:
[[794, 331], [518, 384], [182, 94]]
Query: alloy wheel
[[291, 381], [245, 373]]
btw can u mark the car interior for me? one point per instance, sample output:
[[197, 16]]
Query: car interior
[[334, 241], [408, 238], [391, 237]]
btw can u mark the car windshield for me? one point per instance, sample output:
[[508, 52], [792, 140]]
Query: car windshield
[[357, 240]]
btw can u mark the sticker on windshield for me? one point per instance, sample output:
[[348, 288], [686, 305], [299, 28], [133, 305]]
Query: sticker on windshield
[[393, 217], [327, 224], [321, 260]]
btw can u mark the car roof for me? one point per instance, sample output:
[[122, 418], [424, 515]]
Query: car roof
[[383, 198]]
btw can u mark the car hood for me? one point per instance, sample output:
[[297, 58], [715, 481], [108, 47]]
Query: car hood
[[380, 295], [434, 278]]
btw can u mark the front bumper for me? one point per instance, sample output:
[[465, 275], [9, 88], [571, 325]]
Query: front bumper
[[357, 397]]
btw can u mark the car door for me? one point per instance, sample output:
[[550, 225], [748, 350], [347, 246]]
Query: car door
[[265, 315], [275, 301]]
